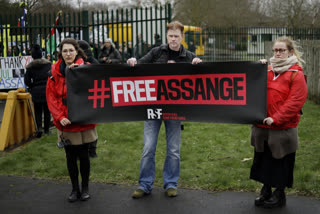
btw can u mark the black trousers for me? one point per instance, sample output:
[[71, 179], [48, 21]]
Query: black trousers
[[73, 153], [40, 108]]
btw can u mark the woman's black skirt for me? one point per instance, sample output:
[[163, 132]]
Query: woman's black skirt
[[274, 172]]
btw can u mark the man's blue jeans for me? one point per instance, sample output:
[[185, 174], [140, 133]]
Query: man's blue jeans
[[171, 168]]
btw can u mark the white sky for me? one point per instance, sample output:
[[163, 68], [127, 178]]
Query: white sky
[[102, 1]]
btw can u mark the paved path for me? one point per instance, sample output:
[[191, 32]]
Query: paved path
[[26, 195]]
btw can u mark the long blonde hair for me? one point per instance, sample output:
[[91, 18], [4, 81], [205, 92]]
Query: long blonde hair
[[292, 45]]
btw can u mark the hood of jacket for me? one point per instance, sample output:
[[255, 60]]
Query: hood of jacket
[[38, 63]]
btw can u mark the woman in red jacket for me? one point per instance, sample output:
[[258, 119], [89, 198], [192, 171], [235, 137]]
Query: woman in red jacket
[[276, 140], [73, 137]]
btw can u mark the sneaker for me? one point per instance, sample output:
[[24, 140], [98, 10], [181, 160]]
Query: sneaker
[[139, 193], [85, 194], [172, 192], [74, 196]]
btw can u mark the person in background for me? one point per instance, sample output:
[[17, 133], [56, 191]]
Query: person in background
[[49, 57], [129, 50], [16, 51], [276, 140], [36, 79], [95, 49], [140, 48], [74, 138], [157, 40], [9, 51], [124, 51], [84, 45], [109, 54], [173, 52]]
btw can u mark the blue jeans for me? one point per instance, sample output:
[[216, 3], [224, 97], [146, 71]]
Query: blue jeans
[[171, 168]]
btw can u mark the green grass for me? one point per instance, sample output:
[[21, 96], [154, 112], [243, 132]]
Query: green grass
[[214, 157]]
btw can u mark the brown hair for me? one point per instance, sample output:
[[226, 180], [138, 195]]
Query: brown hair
[[292, 46], [175, 25], [75, 44]]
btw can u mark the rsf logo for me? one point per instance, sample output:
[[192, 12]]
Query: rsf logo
[[154, 113]]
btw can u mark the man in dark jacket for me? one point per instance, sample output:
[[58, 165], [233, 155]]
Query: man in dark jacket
[[170, 53], [109, 54], [36, 79]]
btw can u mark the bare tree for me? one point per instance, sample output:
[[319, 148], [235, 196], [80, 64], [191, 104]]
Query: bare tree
[[290, 13], [216, 12], [30, 5], [79, 3], [314, 13], [5, 5]]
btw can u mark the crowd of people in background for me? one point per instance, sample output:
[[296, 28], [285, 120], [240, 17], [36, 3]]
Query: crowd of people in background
[[105, 52]]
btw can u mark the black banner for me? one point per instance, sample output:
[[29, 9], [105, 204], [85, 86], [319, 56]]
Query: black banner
[[224, 92]]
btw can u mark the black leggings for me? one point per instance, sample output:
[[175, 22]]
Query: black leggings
[[73, 153], [38, 109]]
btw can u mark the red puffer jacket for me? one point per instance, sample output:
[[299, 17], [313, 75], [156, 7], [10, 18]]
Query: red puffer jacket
[[285, 97], [56, 92]]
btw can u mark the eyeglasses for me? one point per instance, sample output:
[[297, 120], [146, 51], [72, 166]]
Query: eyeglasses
[[70, 51], [279, 50]]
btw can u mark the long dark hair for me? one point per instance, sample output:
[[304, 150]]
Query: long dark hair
[[75, 44]]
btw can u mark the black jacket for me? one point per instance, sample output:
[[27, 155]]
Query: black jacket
[[36, 79], [112, 54], [161, 55], [92, 60]]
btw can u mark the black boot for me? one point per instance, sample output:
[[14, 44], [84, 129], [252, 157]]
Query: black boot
[[84, 194], [265, 194], [93, 149], [74, 195], [71, 154], [38, 134], [278, 199]]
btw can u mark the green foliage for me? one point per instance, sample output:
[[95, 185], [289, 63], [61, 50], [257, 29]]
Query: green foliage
[[213, 156]]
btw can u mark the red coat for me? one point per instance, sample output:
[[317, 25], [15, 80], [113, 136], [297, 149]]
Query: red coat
[[56, 91], [284, 102]]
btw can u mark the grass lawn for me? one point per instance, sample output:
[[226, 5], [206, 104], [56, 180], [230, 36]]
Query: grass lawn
[[214, 157]]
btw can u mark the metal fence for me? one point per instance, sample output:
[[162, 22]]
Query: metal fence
[[133, 33], [246, 44], [130, 30]]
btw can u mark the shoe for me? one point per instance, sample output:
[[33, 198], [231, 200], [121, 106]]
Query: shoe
[[265, 194], [84, 194], [139, 193], [278, 199], [74, 196], [172, 192], [38, 134]]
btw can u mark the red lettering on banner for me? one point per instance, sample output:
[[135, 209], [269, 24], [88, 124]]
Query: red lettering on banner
[[200, 89]]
